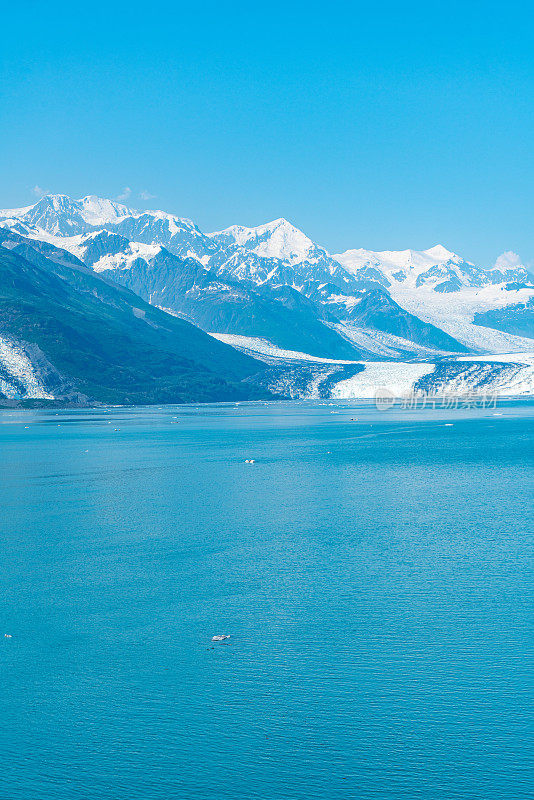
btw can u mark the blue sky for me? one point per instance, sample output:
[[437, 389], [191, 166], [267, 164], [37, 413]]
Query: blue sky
[[385, 125]]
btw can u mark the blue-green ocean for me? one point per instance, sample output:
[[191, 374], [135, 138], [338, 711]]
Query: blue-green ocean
[[373, 569]]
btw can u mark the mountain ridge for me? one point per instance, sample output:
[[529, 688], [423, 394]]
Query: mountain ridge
[[91, 339], [428, 297]]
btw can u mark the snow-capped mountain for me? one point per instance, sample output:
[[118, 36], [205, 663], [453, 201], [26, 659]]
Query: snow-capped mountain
[[437, 268], [275, 253], [272, 281], [179, 235], [69, 334], [103, 250], [277, 239], [58, 215], [443, 289]]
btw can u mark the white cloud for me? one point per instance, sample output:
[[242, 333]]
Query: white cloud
[[507, 260], [146, 196], [38, 192], [125, 194]]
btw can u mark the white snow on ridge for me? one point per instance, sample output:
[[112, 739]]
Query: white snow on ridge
[[241, 251], [437, 268], [390, 262], [14, 213], [96, 211], [78, 245], [73, 244], [19, 373], [136, 250], [99, 211], [276, 239], [175, 223]]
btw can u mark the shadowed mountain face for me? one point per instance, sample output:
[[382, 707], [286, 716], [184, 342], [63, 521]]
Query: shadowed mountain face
[[280, 314], [372, 308], [377, 310], [72, 334], [272, 309], [273, 282], [516, 319], [293, 306]]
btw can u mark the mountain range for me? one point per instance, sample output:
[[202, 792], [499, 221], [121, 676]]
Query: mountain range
[[269, 291], [67, 333]]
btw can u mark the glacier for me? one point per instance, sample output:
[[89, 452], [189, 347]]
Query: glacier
[[338, 325]]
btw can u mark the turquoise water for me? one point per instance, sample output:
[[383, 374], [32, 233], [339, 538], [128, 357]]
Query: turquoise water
[[375, 577]]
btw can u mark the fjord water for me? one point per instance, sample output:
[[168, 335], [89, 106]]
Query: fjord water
[[375, 577]]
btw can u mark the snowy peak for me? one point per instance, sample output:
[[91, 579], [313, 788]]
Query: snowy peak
[[99, 211], [509, 269], [107, 235], [277, 239], [436, 268], [440, 253], [277, 253], [179, 235], [58, 214], [56, 202]]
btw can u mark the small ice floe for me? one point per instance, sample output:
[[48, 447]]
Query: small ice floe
[[249, 461], [220, 637]]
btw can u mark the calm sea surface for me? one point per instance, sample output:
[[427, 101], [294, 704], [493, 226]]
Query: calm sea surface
[[375, 576]]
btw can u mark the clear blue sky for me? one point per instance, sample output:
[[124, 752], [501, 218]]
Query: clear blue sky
[[381, 125]]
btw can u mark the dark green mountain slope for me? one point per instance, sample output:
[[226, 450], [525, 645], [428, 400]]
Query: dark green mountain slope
[[107, 343]]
